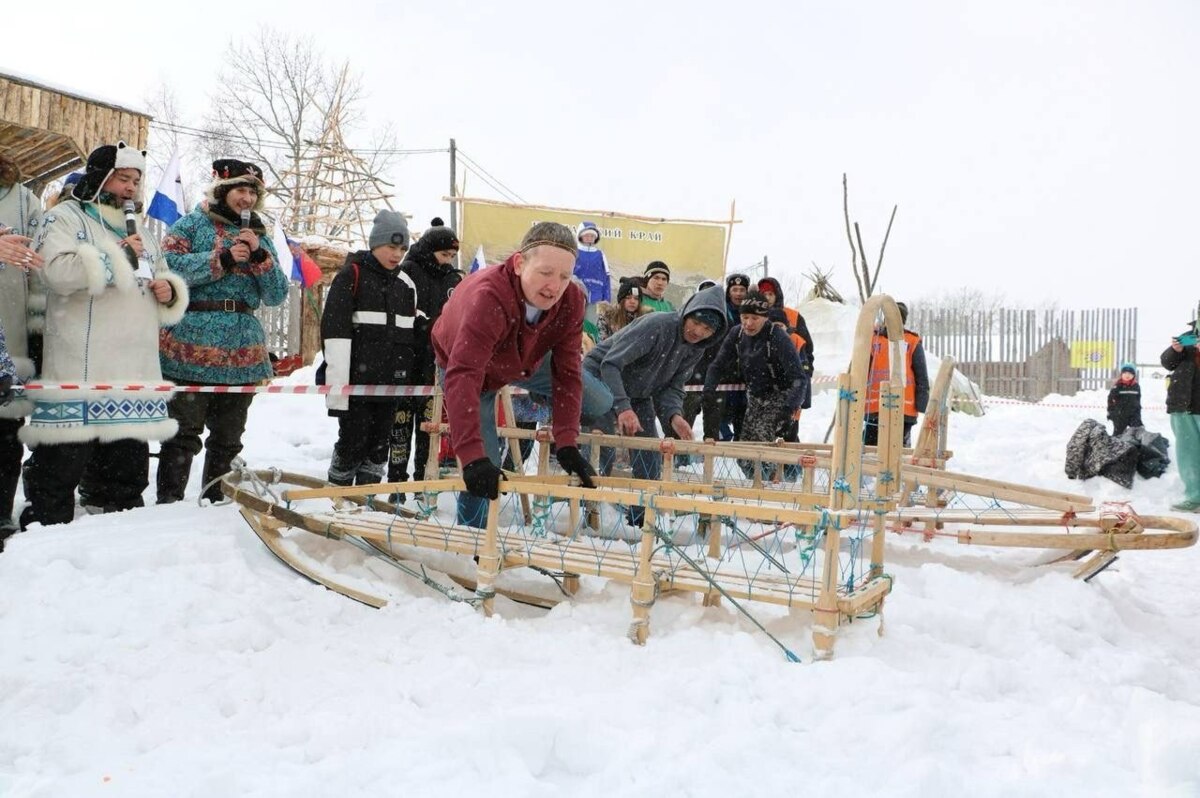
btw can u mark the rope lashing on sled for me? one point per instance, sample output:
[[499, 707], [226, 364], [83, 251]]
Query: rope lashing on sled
[[703, 572]]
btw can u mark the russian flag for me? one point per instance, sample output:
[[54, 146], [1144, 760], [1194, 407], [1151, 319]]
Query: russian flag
[[479, 262], [167, 204], [304, 269]]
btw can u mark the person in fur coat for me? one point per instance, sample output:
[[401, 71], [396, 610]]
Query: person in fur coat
[[108, 292], [231, 269], [19, 211]]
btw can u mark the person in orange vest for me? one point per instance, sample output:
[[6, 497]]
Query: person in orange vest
[[916, 382]]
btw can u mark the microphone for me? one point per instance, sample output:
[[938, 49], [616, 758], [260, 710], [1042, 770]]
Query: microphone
[[131, 229], [130, 218], [245, 218]]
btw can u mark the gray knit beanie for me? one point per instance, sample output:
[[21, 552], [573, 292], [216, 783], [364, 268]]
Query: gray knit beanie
[[389, 228]]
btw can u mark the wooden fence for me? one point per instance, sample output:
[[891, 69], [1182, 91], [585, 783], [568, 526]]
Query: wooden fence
[[282, 323], [1028, 354]]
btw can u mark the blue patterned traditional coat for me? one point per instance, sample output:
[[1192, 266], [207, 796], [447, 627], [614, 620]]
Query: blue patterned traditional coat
[[220, 347]]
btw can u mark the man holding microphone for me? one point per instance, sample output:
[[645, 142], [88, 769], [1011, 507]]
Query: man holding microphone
[[222, 250]]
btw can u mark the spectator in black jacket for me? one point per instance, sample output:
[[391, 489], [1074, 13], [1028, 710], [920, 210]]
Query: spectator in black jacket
[[368, 335], [430, 266], [776, 383], [1182, 359], [732, 404], [1125, 400]]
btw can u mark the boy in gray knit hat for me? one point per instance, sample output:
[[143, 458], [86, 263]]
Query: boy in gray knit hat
[[389, 228], [367, 334]]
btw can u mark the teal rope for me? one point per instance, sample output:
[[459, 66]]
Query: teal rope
[[791, 656]]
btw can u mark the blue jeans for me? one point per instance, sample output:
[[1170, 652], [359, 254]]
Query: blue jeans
[[645, 463], [597, 400]]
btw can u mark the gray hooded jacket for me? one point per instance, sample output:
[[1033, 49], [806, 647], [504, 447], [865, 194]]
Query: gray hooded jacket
[[649, 358]]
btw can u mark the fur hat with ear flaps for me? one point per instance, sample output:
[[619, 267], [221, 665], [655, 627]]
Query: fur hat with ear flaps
[[228, 174], [103, 161]]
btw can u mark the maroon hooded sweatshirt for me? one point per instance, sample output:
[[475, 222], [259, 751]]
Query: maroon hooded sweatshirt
[[484, 343]]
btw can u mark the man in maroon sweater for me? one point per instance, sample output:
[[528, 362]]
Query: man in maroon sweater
[[519, 323]]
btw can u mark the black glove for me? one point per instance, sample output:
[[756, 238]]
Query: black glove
[[711, 407], [482, 478], [573, 463], [6, 391]]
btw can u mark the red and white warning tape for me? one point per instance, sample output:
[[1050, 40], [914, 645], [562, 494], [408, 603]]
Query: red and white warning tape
[[343, 390], [423, 390], [996, 400]]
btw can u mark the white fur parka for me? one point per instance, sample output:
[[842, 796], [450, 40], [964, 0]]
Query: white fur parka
[[102, 326]]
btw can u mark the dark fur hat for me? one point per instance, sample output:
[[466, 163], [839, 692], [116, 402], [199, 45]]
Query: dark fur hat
[[229, 173]]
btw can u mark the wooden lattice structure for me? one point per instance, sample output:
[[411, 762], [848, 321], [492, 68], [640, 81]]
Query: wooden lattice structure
[[49, 132], [335, 193]]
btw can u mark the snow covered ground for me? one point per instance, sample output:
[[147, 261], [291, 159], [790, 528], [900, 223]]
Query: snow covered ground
[[165, 652]]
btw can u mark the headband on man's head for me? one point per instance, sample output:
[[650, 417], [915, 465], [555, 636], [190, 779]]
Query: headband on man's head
[[547, 243]]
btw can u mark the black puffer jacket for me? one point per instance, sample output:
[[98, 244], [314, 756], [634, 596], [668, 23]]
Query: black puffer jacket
[[435, 283], [769, 363], [367, 328], [1183, 395], [1125, 406]]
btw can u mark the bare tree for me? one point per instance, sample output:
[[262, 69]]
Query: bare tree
[[863, 276], [282, 104]]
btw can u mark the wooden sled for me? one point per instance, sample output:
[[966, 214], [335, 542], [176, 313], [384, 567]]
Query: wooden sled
[[651, 567]]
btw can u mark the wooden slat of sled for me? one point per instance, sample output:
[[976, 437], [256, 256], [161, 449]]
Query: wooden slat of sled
[[1094, 541], [348, 491], [467, 582], [994, 488], [580, 558], [268, 532]]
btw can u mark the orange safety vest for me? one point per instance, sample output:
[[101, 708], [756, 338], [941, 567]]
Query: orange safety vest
[[793, 320], [881, 371]]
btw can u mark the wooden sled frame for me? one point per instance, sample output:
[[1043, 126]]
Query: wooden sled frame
[[894, 474]]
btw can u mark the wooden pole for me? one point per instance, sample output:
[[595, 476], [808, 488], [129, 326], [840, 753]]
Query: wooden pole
[[887, 481], [435, 433], [706, 527], [729, 236], [489, 559], [514, 445], [641, 595]]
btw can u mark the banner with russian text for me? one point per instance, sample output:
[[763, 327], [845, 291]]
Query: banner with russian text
[[693, 250]]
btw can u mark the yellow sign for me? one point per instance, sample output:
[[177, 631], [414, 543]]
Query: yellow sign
[[1093, 355], [693, 250]]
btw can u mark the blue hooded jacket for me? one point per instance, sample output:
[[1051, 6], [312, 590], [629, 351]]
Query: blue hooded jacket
[[592, 268]]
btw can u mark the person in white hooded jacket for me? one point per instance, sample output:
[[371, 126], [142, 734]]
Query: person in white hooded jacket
[[108, 292], [19, 210]]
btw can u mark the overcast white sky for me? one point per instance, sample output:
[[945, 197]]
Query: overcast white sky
[[1041, 149]]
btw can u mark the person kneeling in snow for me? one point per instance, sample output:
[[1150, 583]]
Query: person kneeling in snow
[[519, 323], [367, 336], [107, 295], [645, 366]]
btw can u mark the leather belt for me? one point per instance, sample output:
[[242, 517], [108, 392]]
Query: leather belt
[[226, 305]]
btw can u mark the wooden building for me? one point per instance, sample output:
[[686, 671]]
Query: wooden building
[[49, 132]]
